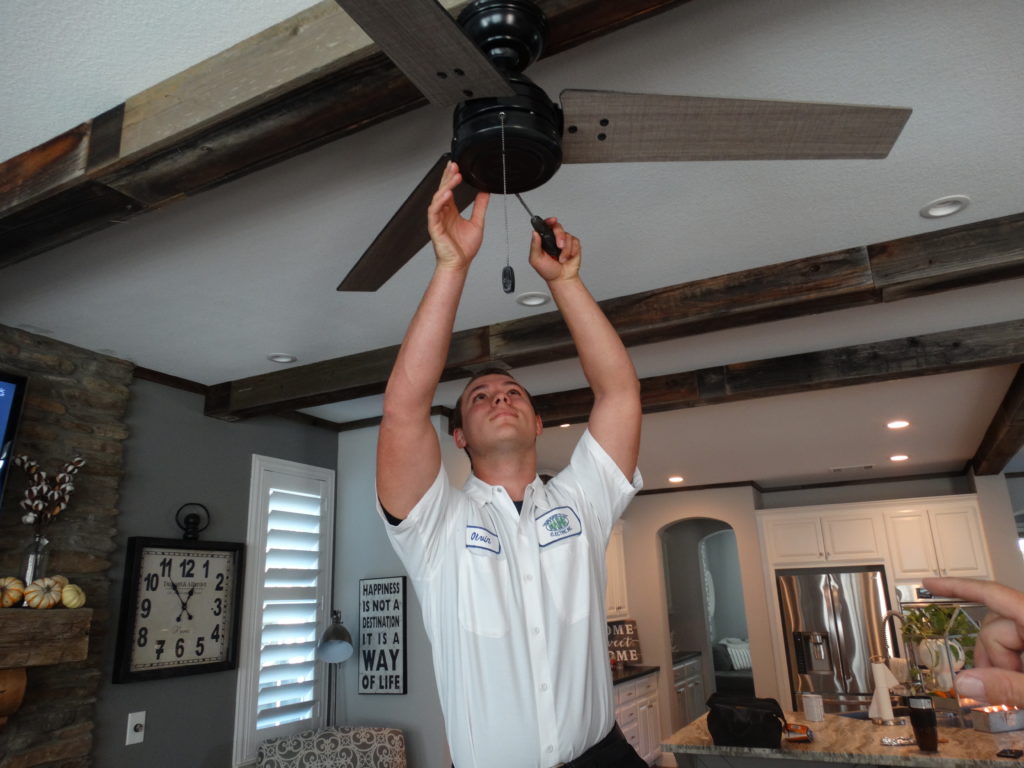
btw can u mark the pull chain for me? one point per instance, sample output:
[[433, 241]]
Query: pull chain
[[508, 275]]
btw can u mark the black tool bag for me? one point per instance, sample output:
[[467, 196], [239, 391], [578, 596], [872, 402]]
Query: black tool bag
[[745, 721]]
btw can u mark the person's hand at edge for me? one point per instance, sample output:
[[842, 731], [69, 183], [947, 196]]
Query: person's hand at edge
[[456, 239], [997, 674], [567, 265]]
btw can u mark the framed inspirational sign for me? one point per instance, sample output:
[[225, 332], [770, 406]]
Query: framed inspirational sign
[[382, 635], [624, 642]]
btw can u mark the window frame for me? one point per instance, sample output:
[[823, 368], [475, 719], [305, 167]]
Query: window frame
[[266, 474]]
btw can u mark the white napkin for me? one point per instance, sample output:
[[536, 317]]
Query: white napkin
[[881, 703], [900, 669]]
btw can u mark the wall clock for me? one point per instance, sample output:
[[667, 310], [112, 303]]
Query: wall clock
[[180, 608]]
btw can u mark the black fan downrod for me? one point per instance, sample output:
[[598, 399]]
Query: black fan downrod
[[511, 34]]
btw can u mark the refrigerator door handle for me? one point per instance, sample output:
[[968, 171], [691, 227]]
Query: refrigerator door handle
[[839, 641]]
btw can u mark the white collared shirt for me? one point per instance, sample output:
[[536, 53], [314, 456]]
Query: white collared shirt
[[514, 608]]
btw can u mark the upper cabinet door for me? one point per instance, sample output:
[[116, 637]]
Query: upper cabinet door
[[794, 539], [839, 536], [910, 544], [615, 604], [853, 536], [939, 540], [958, 545]]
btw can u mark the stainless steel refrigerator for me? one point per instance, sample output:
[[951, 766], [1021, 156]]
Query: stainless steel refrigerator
[[833, 621]]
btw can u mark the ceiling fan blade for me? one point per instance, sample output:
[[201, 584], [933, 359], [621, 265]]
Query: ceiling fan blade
[[639, 127], [404, 235], [423, 41]]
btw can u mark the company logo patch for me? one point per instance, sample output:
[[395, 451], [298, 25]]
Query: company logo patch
[[557, 524], [481, 538]]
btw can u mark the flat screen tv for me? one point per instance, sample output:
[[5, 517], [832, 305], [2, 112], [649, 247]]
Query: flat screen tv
[[12, 396]]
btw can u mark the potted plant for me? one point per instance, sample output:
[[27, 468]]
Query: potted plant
[[940, 641]]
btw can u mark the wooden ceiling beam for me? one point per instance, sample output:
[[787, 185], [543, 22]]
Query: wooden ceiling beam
[[791, 289], [302, 83], [926, 355], [1004, 437]]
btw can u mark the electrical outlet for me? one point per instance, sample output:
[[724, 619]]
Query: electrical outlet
[[136, 728]]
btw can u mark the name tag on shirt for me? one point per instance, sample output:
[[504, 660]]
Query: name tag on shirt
[[481, 538], [557, 524]]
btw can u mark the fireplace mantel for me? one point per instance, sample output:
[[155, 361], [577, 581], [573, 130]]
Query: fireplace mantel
[[31, 637]]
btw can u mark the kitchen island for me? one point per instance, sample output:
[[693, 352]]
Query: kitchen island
[[841, 741]]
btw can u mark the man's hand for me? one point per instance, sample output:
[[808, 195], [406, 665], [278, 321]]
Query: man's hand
[[567, 265], [996, 677], [456, 239]]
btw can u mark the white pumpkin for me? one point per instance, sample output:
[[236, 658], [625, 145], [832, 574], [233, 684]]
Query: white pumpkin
[[72, 596], [62, 581], [12, 591], [42, 593]]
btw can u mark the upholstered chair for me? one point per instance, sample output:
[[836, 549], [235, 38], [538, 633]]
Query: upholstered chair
[[341, 747]]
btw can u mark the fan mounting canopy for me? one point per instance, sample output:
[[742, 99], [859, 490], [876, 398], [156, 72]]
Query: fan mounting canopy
[[509, 32]]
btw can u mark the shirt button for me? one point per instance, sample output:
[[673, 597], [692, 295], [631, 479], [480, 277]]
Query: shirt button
[[536, 630], [550, 749], [529, 577], [543, 686]]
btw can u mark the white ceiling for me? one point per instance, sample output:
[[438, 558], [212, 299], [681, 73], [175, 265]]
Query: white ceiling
[[208, 287]]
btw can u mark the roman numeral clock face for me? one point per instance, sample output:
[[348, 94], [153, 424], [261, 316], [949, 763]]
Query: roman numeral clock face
[[182, 608]]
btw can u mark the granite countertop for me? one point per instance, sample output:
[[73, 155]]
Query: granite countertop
[[631, 672], [857, 742]]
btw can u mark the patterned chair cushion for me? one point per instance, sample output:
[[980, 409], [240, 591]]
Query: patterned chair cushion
[[343, 747]]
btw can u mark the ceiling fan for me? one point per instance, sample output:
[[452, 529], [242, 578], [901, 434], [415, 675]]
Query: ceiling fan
[[475, 64]]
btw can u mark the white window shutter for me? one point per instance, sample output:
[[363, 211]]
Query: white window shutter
[[281, 687]]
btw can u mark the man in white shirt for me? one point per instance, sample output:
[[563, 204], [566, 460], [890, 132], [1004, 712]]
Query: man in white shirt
[[509, 570]]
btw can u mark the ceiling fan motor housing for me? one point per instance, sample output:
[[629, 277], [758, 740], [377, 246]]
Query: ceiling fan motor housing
[[533, 138], [509, 32]]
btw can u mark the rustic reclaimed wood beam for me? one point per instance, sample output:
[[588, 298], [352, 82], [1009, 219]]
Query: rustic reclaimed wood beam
[[910, 266], [1004, 437], [926, 355], [302, 83]]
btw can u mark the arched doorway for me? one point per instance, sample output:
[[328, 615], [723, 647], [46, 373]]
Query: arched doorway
[[706, 613]]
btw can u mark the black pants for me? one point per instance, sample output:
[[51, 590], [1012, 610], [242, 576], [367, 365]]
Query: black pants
[[613, 751]]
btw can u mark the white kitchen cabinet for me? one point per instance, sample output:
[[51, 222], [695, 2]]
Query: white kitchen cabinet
[[648, 715], [615, 604], [637, 713], [937, 540], [688, 678], [812, 537]]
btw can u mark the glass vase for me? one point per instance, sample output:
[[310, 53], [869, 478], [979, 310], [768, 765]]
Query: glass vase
[[35, 559]]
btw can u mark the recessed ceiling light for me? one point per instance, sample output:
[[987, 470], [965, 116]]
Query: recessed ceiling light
[[945, 206], [676, 479], [564, 426], [899, 457], [898, 424], [278, 357], [533, 299]]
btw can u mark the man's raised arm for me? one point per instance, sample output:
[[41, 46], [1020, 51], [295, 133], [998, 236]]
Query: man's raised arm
[[616, 415], [408, 452]]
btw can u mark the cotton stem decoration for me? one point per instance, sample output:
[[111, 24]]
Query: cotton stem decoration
[[46, 497]]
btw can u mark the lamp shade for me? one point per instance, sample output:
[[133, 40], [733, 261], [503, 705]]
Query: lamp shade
[[336, 643]]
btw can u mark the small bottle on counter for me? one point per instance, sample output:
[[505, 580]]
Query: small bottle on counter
[[922, 719]]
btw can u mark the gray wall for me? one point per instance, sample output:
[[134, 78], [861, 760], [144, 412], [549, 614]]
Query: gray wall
[[687, 619], [174, 455], [730, 619], [363, 552], [1016, 487]]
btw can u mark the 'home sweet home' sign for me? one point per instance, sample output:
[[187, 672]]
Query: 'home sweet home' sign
[[624, 642]]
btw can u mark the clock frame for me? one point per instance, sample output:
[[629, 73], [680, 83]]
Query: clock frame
[[180, 608]]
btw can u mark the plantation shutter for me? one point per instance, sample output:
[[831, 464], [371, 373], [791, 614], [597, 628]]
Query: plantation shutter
[[281, 686], [289, 628]]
